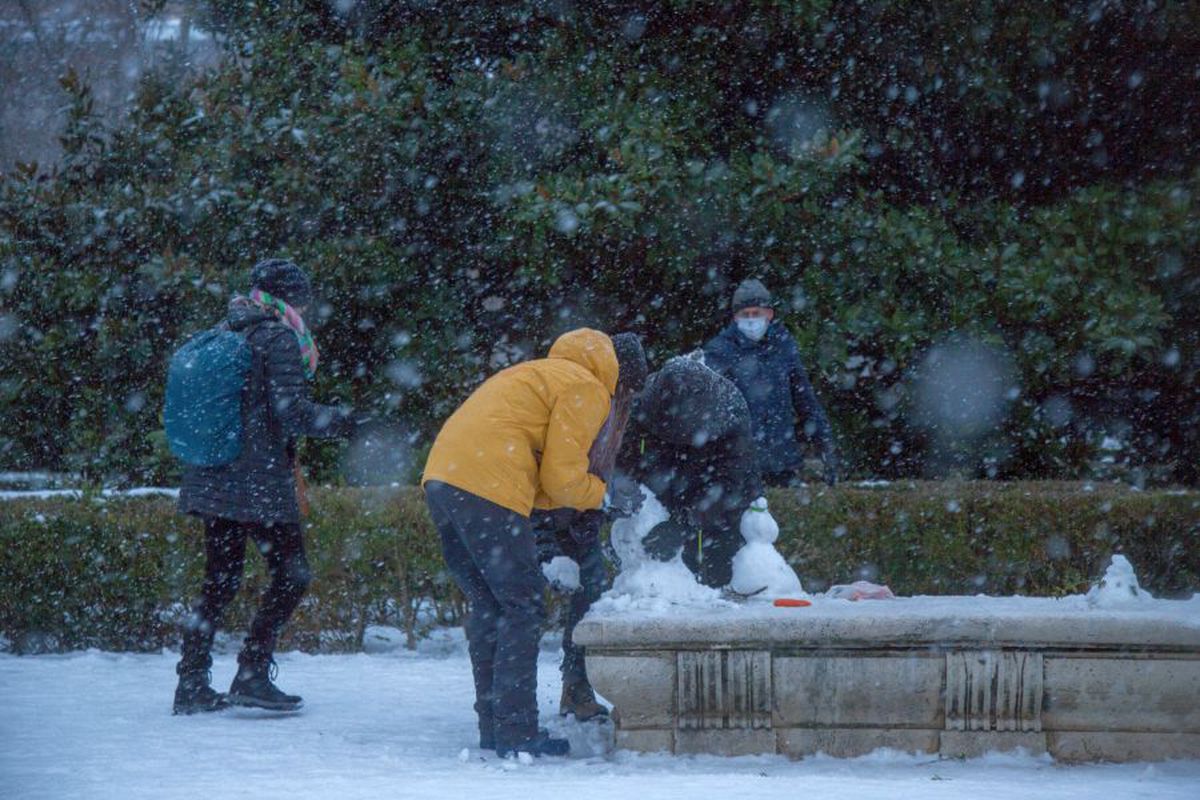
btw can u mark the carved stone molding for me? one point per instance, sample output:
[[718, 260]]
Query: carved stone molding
[[994, 690], [724, 689]]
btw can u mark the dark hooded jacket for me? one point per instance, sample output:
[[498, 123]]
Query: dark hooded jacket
[[690, 442], [777, 390], [260, 486]]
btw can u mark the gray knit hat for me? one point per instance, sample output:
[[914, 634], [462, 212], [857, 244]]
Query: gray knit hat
[[282, 279], [751, 293]]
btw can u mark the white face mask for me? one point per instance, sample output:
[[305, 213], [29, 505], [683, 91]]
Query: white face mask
[[753, 328]]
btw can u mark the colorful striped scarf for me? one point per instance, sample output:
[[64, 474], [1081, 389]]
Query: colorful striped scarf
[[309, 355]]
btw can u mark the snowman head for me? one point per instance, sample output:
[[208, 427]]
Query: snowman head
[[758, 526]]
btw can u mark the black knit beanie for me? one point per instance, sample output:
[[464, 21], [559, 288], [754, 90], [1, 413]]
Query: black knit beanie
[[631, 362], [282, 279]]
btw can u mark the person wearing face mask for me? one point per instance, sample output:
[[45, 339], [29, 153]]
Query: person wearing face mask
[[761, 358]]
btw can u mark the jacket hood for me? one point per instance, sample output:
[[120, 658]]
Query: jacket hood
[[591, 350]]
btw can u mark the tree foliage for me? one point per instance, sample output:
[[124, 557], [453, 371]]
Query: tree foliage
[[466, 181]]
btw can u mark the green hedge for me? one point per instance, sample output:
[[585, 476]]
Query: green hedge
[[121, 572], [118, 573], [1033, 538]]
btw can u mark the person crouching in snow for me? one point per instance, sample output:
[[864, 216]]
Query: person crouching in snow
[[564, 532], [256, 495], [527, 430], [690, 442]]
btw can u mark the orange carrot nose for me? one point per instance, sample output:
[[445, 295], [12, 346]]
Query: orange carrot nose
[[792, 602]]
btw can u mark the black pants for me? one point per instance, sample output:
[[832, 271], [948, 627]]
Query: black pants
[[491, 554], [225, 549], [576, 535]]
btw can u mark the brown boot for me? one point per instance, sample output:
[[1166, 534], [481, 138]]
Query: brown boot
[[579, 698]]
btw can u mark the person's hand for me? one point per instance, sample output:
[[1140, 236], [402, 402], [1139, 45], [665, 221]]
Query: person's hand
[[624, 496], [585, 529], [664, 540]]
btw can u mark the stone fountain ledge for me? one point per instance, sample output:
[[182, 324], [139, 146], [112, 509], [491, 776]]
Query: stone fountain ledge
[[958, 676]]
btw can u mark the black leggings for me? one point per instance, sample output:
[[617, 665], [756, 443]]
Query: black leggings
[[282, 545]]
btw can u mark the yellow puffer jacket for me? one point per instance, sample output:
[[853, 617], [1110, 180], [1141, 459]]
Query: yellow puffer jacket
[[527, 430]]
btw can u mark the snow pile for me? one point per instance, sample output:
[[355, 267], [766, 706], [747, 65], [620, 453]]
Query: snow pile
[[562, 573], [644, 583], [758, 568], [1118, 588]]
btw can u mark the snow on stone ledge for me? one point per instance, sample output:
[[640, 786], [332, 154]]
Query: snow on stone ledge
[[76, 494]]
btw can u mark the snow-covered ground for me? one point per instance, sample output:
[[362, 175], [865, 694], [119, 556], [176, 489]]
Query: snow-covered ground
[[399, 725]]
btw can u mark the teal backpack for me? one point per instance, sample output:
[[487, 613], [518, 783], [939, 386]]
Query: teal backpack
[[202, 412]]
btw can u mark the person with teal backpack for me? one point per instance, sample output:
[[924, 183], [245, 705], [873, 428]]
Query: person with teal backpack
[[237, 400]]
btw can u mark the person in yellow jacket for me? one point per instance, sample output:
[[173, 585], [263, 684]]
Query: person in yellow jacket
[[523, 436]]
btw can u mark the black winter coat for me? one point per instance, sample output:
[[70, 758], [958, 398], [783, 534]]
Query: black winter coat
[[690, 442], [260, 486], [777, 390]]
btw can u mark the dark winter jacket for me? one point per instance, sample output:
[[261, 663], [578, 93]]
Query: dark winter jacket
[[690, 442], [260, 486], [771, 378]]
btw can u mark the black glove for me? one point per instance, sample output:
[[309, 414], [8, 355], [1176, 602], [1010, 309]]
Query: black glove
[[585, 529], [665, 539], [624, 496], [547, 548]]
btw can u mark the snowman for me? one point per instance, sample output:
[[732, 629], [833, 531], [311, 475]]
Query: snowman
[[758, 568], [644, 577], [1118, 588]]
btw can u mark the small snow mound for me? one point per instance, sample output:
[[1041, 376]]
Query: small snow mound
[[562, 572], [669, 581], [591, 739], [643, 583], [383, 639], [628, 532], [1118, 588]]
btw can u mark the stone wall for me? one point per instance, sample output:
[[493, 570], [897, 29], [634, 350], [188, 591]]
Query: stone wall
[[849, 681]]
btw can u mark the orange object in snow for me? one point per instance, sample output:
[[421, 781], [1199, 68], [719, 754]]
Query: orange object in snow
[[791, 602]]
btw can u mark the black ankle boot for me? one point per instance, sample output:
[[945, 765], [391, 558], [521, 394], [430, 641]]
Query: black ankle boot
[[253, 687], [541, 744], [195, 695], [487, 736]]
